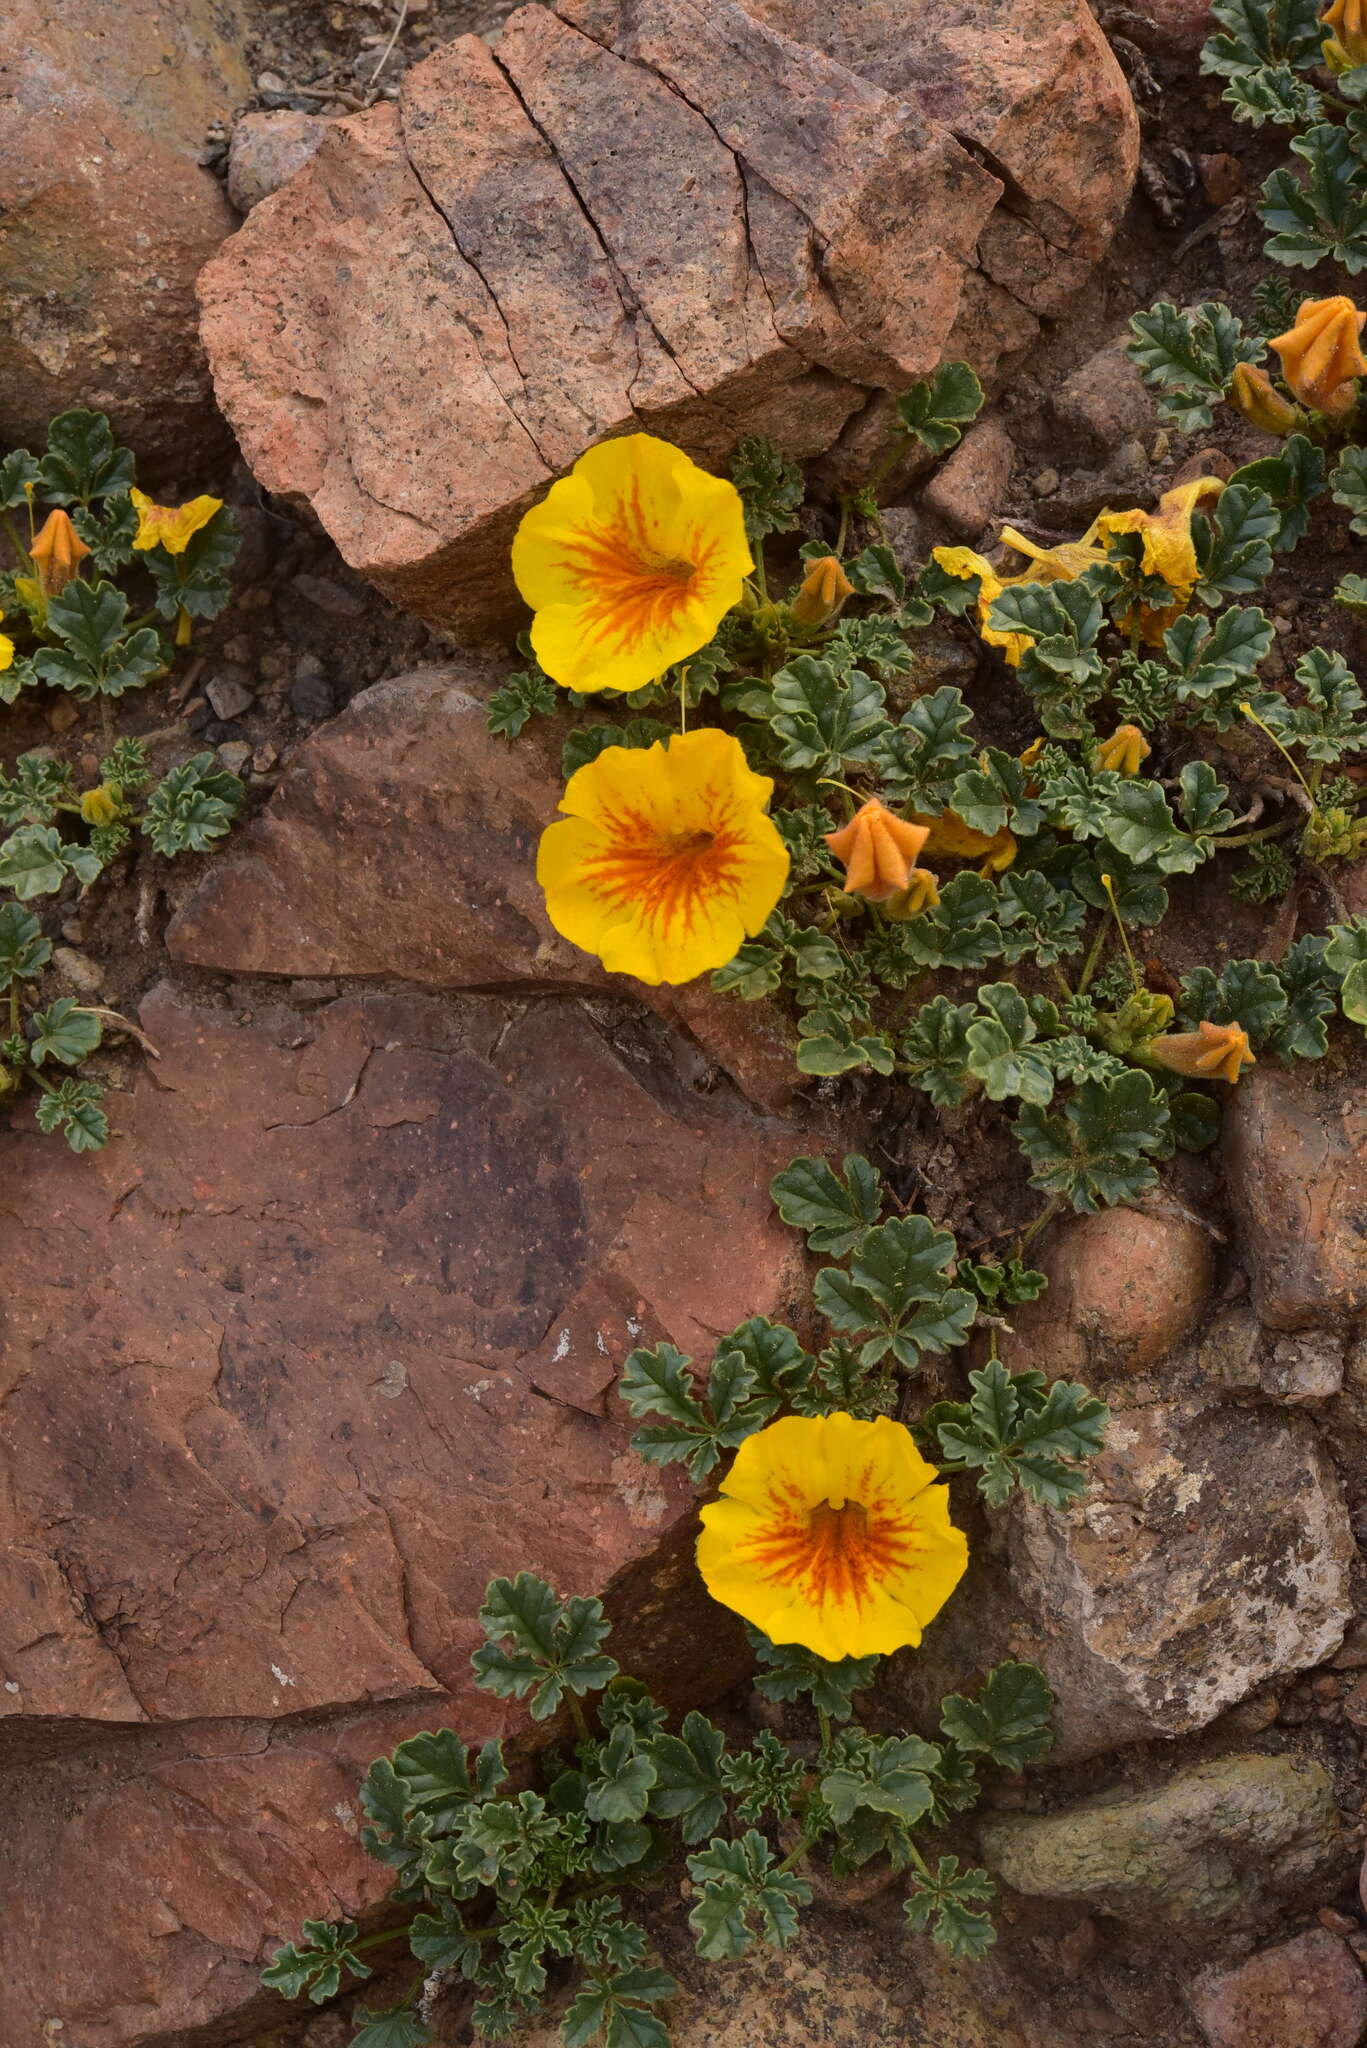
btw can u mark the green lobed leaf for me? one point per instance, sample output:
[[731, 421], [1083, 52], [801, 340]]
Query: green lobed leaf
[[1097, 1152], [834, 1211], [83, 461], [936, 409], [1009, 1720], [192, 806]]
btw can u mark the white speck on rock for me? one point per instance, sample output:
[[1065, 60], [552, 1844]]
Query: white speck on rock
[[279, 1676], [562, 1345]]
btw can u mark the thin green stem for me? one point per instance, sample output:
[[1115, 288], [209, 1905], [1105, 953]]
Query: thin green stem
[[761, 577], [12, 536], [1238, 839], [1032, 1231], [788, 1863], [1251, 715], [843, 532], [580, 1718], [1135, 979], [1093, 960], [1061, 978]]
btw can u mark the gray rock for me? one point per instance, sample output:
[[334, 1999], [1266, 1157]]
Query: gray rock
[[1306, 1993], [1217, 1843], [228, 694], [1304, 1368], [1106, 400], [85, 975], [268, 148], [311, 695]]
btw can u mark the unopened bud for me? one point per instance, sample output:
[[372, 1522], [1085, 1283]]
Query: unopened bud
[[825, 588], [1262, 406]]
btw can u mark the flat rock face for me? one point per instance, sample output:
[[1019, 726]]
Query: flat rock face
[[290, 1371], [402, 843], [1211, 1553], [1306, 1993], [1215, 1844], [704, 220], [107, 217], [1296, 1155]]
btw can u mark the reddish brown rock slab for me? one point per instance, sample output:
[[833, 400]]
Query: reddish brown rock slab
[[967, 491], [1126, 1287], [683, 218], [1306, 1993], [105, 218], [327, 1337], [1296, 1162], [402, 843]]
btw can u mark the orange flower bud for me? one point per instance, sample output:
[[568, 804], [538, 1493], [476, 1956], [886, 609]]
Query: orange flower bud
[[57, 553], [1321, 355], [1123, 751], [824, 589], [1213, 1052], [1346, 45], [1260, 405], [879, 851], [921, 893]]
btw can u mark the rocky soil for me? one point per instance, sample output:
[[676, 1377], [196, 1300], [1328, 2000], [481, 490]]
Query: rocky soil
[[327, 1335]]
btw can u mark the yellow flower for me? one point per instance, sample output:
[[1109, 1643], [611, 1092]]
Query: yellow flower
[[824, 589], [1345, 46], [921, 893], [1123, 751], [1169, 550], [948, 838], [6, 649], [630, 564], [1059, 564], [665, 860], [1321, 355], [172, 527], [1254, 396], [832, 1533], [100, 806], [57, 553], [878, 850], [1213, 1052]]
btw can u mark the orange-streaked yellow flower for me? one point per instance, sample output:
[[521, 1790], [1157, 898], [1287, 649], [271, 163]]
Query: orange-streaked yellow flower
[[922, 893], [824, 589], [1060, 564], [832, 1533], [1123, 751], [1213, 1052], [1345, 47], [1322, 356], [172, 527], [630, 564], [666, 859], [57, 552], [878, 851], [1262, 406]]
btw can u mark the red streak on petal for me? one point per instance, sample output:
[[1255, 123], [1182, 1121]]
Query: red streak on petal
[[664, 877], [831, 1555], [631, 591]]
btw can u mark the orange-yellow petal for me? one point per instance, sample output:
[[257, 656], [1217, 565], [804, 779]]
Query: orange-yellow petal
[[665, 861], [1322, 356], [172, 527], [57, 552], [629, 564], [824, 589], [1213, 1052], [832, 1533]]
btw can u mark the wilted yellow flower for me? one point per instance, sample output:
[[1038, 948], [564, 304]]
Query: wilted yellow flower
[[172, 527], [832, 1533], [57, 552], [1213, 1052], [1123, 751], [665, 860], [630, 564], [948, 838], [1321, 355], [1060, 564], [1169, 549], [825, 588], [1254, 396], [1345, 46], [100, 806], [922, 893], [877, 849]]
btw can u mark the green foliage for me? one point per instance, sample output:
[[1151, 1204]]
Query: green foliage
[[97, 655], [742, 1894], [316, 1965], [1322, 213], [944, 1902], [898, 1292], [1020, 1429], [834, 1211], [1191, 358], [1100, 1150], [1348, 486], [82, 462], [192, 806], [771, 489], [936, 410], [555, 1647]]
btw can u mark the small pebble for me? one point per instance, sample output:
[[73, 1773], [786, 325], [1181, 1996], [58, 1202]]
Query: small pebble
[[1045, 484], [229, 695], [311, 696], [1355, 1706], [270, 81], [304, 991], [330, 596], [83, 973], [63, 716], [265, 758], [235, 755]]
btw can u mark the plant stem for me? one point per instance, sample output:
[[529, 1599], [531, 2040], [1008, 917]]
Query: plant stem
[[106, 723], [579, 1718], [1032, 1230], [1093, 960], [12, 535], [843, 533], [1238, 839], [807, 1842]]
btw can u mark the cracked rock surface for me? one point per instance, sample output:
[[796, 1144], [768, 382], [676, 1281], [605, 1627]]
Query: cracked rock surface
[[324, 1344], [701, 220]]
